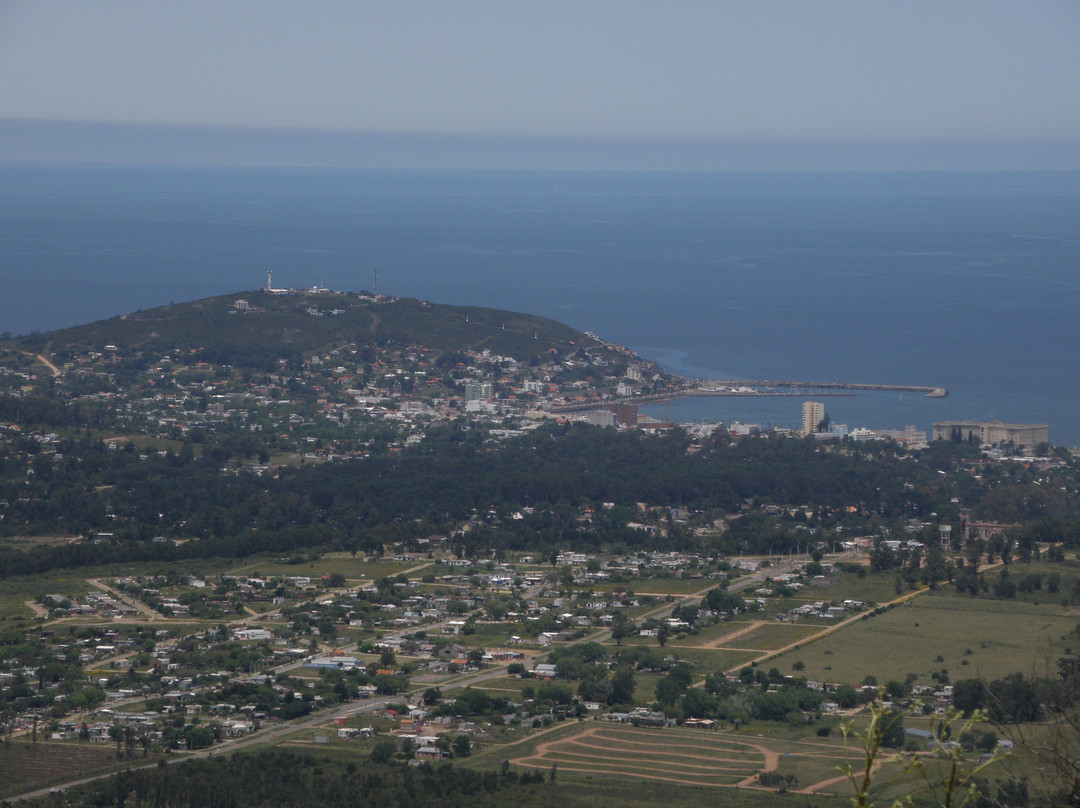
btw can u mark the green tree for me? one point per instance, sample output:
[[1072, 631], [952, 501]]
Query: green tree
[[935, 569], [696, 703], [383, 751], [667, 691], [662, 634], [620, 628], [622, 686], [846, 696], [462, 746]]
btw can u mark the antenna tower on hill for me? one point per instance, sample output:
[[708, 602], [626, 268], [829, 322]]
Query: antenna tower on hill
[[376, 289]]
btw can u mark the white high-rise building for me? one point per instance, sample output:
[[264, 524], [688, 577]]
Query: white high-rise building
[[813, 413], [478, 391]]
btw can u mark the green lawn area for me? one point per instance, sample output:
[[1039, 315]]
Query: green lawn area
[[354, 569], [713, 632], [812, 764], [508, 687], [636, 639], [438, 570], [973, 636], [659, 586], [489, 635], [769, 636], [710, 660], [876, 587]]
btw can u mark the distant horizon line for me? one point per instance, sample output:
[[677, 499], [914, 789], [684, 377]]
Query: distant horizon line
[[93, 142]]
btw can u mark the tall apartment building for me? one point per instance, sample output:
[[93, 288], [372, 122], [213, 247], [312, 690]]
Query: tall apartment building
[[478, 391], [813, 413]]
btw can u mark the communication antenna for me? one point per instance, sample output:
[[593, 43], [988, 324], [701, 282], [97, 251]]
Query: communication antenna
[[376, 289]]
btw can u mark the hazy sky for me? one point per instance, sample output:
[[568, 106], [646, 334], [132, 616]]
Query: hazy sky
[[760, 70]]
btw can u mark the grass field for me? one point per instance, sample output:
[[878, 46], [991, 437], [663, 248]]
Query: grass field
[[760, 636], [710, 660], [489, 635], [659, 586], [715, 633], [507, 687], [972, 636], [354, 569], [873, 587]]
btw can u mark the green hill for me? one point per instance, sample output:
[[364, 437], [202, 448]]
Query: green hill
[[255, 329]]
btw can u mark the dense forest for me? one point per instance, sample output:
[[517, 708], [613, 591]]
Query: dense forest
[[276, 778], [523, 494]]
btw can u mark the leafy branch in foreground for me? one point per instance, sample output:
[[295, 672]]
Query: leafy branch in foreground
[[942, 774], [1054, 742]]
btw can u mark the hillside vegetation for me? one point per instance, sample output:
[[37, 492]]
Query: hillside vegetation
[[273, 327]]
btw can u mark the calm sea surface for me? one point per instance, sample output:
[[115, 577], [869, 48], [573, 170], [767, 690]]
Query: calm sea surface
[[969, 281]]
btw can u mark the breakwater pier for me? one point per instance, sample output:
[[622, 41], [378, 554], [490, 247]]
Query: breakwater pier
[[929, 392], [751, 388]]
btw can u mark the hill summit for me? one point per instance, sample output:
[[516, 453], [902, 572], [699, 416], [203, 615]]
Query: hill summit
[[256, 329]]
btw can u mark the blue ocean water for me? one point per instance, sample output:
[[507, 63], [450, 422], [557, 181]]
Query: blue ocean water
[[969, 281]]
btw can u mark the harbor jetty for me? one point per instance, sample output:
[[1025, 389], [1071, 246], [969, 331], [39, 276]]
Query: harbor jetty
[[750, 388], [929, 392]]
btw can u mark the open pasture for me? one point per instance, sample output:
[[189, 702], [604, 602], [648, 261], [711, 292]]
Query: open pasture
[[659, 586], [760, 636], [966, 637], [771, 636], [709, 660], [717, 633], [871, 587], [354, 569], [507, 687]]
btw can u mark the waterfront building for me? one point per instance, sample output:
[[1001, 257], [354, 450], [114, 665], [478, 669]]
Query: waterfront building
[[988, 432], [813, 413], [909, 435], [601, 418], [625, 414]]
